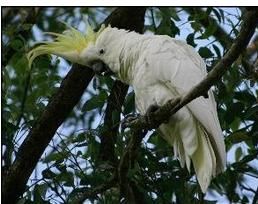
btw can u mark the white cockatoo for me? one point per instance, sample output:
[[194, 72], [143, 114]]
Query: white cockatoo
[[159, 68]]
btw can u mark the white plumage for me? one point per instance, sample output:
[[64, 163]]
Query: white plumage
[[158, 68]]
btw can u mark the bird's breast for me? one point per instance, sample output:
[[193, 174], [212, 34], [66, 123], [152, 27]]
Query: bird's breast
[[153, 94]]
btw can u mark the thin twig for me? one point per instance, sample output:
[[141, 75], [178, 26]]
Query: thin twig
[[82, 196], [255, 197]]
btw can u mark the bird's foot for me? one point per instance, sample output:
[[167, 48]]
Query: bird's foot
[[128, 120], [148, 115]]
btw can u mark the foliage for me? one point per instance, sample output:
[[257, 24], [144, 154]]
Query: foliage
[[71, 163]]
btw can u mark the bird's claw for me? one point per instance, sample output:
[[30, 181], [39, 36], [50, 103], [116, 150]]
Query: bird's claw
[[148, 115], [127, 121]]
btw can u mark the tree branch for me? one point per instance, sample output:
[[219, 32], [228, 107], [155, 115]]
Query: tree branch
[[127, 162], [111, 124], [80, 197]]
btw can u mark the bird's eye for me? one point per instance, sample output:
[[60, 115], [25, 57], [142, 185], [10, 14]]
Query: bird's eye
[[101, 51]]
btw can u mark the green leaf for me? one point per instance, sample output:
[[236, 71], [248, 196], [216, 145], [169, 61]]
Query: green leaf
[[132, 172], [17, 44], [129, 105], [157, 140], [170, 12], [238, 136], [174, 15], [236, 108], [210, 30], [217, 14], [79, 138], [235, 124], [20, 63], [245, 199], [251, 113], [174, 29], [205, 52], [200, 15], [109, 82], [8, 130], [196, 26], [238, 153], [21, 201], [245, 96], [167, 25], [57, 156], [96, 101], [48, 174], [190, 39], [208, 11], [93, 179], [61, 167], [27, 26], [40, 192], [67, 178]]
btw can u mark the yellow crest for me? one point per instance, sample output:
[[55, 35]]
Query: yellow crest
[[67, 45]]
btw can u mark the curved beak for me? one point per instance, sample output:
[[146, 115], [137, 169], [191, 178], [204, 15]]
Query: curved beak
[[101, 68]]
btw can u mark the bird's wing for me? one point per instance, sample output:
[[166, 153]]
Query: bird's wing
[[181, 69]]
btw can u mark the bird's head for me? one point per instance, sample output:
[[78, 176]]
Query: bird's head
[[73, 46]]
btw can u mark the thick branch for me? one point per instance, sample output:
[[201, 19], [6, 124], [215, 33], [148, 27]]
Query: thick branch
[[111, 124]]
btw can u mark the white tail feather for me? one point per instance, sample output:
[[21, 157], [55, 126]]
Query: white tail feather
[[191, 142], [204, 160]]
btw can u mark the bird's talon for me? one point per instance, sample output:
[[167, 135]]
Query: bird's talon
[[152, 109], [128, 120]]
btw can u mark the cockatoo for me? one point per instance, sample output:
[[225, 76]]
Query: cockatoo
[[159, 68]]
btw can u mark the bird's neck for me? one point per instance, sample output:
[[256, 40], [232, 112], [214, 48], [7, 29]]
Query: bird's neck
[[122, 46]]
